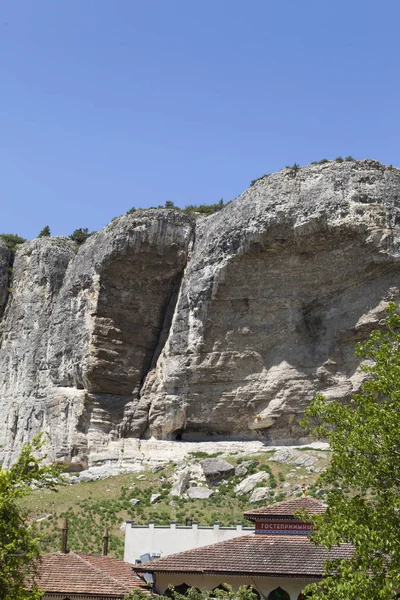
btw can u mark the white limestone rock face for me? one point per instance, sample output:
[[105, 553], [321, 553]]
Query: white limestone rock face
[[82, 330], [166, 326], [280, 286]]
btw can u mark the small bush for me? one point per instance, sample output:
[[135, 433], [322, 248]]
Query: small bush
[[201, 454], [79, 236], [254, 181], [12, 241], [323, 161]]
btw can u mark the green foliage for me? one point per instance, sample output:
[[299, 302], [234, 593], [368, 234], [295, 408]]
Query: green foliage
[[45, 232], [349, 159], [254, 181], [202, 209], [19, 544], [201, 454], [12, 240], [323, 161], [79, 236], [363, 478], [205, 209], [293, 170], [339, 159], [224, 592]]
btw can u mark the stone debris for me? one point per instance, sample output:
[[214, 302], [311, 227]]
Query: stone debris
[[199, 493], [240, 471], [248, 484], [258, 494], [154, 498], [43, 518], [293, 456], [217, 469], [181, 481]]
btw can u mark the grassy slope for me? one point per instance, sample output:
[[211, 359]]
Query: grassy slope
[[90, 507]]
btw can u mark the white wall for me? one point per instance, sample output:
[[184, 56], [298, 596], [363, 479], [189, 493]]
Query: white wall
[[141, 539], [264, 585]]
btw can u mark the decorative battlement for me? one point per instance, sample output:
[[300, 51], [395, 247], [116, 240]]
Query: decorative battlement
[[162, 540], [193, 525]]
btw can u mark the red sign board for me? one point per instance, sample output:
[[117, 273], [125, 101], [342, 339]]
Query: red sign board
[[282, 526]]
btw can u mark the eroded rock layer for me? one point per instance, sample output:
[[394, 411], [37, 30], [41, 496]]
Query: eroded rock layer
[[169, 326]]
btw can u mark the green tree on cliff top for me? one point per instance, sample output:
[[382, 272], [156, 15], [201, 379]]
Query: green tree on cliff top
[[363, 477]]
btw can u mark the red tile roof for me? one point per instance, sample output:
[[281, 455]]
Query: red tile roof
[[287, 508], [263, 555], [77, 573]]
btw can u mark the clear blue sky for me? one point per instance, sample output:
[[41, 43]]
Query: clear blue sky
[[110, 104]]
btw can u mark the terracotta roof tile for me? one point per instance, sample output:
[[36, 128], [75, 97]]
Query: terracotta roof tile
[[287, 508], [252, 554], [87, 574]]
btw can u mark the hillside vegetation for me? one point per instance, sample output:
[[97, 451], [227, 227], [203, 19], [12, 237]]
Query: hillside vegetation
[[90, 507]]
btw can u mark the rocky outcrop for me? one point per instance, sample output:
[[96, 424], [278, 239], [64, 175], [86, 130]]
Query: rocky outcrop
[[84, 328], [280, 286], [163, 325]]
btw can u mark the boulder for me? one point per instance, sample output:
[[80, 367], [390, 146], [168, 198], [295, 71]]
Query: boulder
[[240, 471], [181, 482], [294, 457], [154, 498], [87, 476], [258, 494], [217, 469], [248, 484], [199, 493]]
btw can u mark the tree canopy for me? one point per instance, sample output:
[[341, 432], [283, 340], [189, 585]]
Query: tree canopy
[[45, 232], [19, 544], [12, 240], [80, 235], [363, 478], [222, 592]]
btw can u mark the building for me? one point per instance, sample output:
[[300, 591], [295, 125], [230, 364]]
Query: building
[[157, 540], [277, 561], [68, 575], [78, 576]]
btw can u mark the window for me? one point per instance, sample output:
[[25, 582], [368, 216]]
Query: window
[[278, 594]]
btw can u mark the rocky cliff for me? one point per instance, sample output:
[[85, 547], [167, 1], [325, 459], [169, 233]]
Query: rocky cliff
[[181, 328]]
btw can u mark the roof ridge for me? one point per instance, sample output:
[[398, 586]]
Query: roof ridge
[[98, 570]]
